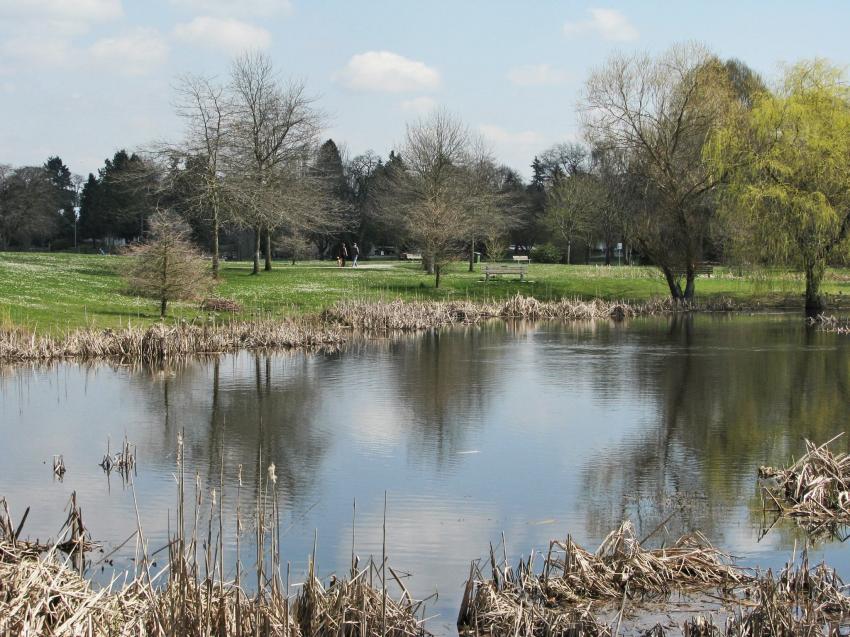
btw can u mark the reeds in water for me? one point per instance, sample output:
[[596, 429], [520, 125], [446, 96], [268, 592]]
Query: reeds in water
[[41, 594], [124, 462], [830, 323], [560, 595], [162, 342], [421, 315], [579, 593], [817, 486]]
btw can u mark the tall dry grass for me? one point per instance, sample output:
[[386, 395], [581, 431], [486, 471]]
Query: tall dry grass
[[42, 593], [162, 342]]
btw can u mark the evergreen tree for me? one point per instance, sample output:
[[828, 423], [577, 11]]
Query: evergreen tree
[[66, 195]]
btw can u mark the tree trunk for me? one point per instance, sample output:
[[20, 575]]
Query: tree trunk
[[607, 253], [690, 285], [814, 301], [437, 276], [673, 284], [268, 267], [257, 239], [162, 305], [215, 242], [472, 255], [569, 250]]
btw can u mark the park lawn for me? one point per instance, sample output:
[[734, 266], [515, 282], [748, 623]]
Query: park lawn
[[59, 291]]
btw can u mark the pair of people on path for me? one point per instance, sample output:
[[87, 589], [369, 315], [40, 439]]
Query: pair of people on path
[[342, 254]]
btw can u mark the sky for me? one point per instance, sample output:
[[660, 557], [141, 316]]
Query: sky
[[84, 78]]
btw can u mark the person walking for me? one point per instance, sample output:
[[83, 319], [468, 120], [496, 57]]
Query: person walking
[[355, 252], [342, 253]]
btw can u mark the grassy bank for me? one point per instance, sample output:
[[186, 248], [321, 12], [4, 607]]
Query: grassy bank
[[59, 292]]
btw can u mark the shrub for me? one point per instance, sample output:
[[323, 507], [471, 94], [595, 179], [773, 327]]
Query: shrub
[[166, 266], [546, 253]]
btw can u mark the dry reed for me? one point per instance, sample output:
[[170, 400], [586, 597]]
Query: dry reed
[[575, 589], [162, 342], [817, 486], [573, 581], [40, 594], [829, 323]]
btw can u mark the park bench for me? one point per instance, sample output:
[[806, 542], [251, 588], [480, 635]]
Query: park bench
[[409, 256], [499, 269], [704, 269], [521, 258]]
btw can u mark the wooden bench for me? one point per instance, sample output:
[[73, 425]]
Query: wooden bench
[[409, 256], [521, 258], [704, 269], [499, 269]]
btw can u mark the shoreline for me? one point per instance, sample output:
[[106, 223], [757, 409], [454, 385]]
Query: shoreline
[[326, 331]]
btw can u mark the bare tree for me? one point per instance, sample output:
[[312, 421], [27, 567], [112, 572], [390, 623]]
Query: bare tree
[[658, 111], [275, 128], [429, 191], [204, 107], [489, 205], [167, 266], [571, 203]]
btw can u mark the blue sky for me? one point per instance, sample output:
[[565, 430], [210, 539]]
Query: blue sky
[[83, 78]]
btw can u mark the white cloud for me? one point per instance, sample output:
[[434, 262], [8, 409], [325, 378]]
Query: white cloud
[[500, 135], [223, 33], [386, 71], [263, 8], [419, 105], [610, 24], [64, 16], [38, 51], [136, 52], [537, 75]]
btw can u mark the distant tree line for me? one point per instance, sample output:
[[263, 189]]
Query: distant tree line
[[686, 158]]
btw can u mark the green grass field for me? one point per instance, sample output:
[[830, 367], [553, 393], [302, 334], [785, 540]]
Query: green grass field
[[60, 291]]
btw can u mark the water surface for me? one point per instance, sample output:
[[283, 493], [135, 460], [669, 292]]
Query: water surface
[[534, 430]]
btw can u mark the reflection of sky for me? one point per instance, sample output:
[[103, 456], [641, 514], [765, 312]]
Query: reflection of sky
[[537, 431]]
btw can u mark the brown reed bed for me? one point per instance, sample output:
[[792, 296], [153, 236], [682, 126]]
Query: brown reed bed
[[423, 315], [622, 584], [41, 594], [816, 487], [830, 323], [162, 342]]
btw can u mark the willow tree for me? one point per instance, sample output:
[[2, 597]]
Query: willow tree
[[788, 170], [658, 112]]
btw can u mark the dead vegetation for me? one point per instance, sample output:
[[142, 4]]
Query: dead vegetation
[[830, 323], [422, 315], [124, 462], [42, 594], [162, 342], [168, 341], [815, 487], [575, 592]]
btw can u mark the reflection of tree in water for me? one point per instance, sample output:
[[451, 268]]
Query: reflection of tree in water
[[445, 380], [722, 412], [239, 409]]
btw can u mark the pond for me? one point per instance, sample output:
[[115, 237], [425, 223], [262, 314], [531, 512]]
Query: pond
[[534, 430]]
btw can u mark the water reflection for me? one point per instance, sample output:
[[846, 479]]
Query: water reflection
[[537, 430]]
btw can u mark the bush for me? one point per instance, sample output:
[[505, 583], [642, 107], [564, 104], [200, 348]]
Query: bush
[[546, 253], [167, 266]]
